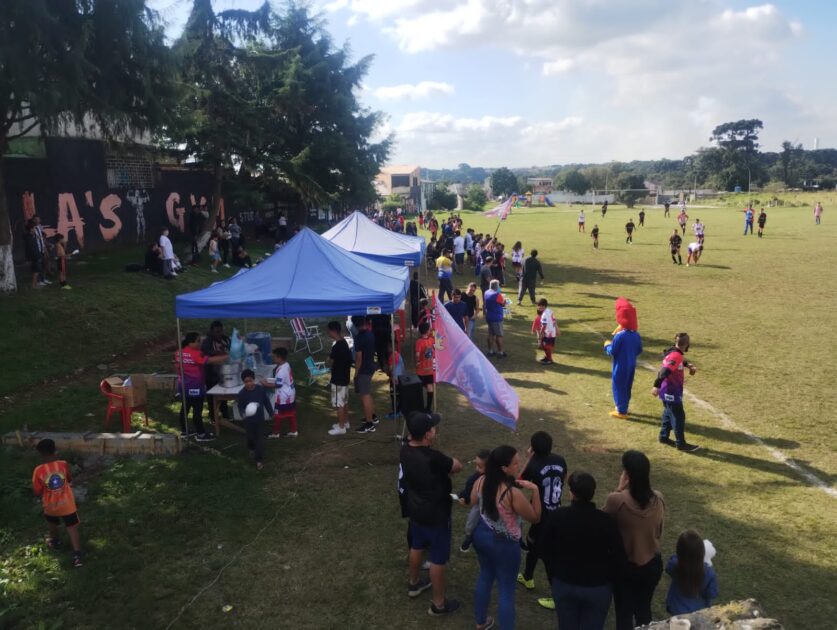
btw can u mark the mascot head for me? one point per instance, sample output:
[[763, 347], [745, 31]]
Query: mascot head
[[626, 315]]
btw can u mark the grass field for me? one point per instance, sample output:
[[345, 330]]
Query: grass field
[[315, 540]]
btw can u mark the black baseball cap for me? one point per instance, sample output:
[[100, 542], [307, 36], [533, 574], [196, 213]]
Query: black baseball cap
[[420, 422]]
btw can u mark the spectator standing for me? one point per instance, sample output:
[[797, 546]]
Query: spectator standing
[[426, 478], [503, 508], [493, 303], [167, 253], [425, 361], [693, 581], [458, 310], [216, 343], [473, 303], [459, 252], [45, 247], [583, 553], [639, 512], [485, 274], [341, 368], [190, 363], [34, 254], [528, 279], [444, 267], [235, 235], [761, 221], [817, 213], [364, 369]]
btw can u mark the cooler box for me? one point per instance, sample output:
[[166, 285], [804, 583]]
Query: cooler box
[[263, 341]]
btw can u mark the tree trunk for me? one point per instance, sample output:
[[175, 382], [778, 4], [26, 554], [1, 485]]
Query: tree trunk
[[8, 280], [209, 223]]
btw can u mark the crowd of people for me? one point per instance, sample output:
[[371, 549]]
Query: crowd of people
[[591, 556]]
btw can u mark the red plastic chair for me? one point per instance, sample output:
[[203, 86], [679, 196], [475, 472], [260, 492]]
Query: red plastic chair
[[117, 403]]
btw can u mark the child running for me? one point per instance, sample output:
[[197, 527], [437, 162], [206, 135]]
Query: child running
[[51, 481], [547, 331], [629, 229], [761, 221], [285, 405], [465, 499], [693, 581], [594, 234], [668, 386], [675, 241], [252, 402]]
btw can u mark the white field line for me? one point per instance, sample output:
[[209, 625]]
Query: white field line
[[730, 424]]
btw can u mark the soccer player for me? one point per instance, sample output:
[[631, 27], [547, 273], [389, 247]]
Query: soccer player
[[682, 218], [668, 386], [698, 229], [675, 241], [748, 220], [695, 252], [51, 481], [548, 471], [547, 331], [666, 209], [285, 404], [581, 220], [642, 218], [629, 228], [594, 234], [761, 221]]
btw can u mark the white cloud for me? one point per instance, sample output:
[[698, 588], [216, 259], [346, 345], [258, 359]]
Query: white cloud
[[559, 66], [409, 92]]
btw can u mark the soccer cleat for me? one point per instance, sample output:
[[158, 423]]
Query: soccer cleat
[[622, 416], [450, 606], [414, 590], [547, 602], [687, 448], [529, 584], [337, 431]]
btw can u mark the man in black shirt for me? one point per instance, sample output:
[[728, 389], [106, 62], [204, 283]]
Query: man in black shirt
[[364, 369], [426, 478], [214, 344], [583, 553], [341, 367], [629, 228], [674, 241], [547, 470], [528, 278]]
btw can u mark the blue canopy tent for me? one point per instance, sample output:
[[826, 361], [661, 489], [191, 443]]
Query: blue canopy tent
[[362, 236], [308, 277]]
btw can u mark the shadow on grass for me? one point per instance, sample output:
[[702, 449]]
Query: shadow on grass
[[717, 433], [518, 382], [768, 466]]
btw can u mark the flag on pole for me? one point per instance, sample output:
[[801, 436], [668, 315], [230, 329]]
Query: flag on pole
[[502, 211], [460, 363]]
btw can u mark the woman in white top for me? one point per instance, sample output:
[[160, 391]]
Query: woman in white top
[[517, 256]]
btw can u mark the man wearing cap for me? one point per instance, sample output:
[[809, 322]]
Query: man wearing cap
[[426, 475]]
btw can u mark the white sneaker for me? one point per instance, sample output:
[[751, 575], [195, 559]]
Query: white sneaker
[[337, 431], [292, 434], [274, 436], [47, 281], [213, 270], [174, 273], [226, 265], [337, 425]]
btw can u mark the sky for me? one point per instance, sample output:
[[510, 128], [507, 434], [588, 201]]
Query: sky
[[523, 83]]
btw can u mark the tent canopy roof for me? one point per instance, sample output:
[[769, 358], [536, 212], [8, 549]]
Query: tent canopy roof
[[362, 236], [308, 277]]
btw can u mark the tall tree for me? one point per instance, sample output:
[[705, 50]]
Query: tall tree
[[90, 62], [738, 142], [572, 180], [503, 182], [476, 197], [631, 188]]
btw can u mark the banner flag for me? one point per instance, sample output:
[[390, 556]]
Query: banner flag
[[502, 211], [460, 363]]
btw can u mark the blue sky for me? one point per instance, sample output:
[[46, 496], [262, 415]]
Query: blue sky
[[535, 82]]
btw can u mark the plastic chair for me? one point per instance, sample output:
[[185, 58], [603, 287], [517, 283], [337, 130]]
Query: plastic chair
[[316, 370], [306, 336], [117, 403]]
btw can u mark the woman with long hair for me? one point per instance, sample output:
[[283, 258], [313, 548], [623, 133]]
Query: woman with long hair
[[693, 581], [503, 506], [517, 256], [639, 512]]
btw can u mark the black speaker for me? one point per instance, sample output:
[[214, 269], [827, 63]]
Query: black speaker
[[410, 393]]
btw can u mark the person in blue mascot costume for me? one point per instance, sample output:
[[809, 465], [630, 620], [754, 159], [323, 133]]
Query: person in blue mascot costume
[[625, 347]]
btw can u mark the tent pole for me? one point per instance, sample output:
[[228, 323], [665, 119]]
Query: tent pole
[[394, 365], [183, 409]]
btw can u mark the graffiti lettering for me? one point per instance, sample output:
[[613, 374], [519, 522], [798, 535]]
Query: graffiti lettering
[[108, 209], [69, 218], [175, 214], [28, 203]]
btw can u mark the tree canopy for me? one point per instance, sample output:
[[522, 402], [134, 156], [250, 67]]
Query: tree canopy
[[572, 180], [503, 182]]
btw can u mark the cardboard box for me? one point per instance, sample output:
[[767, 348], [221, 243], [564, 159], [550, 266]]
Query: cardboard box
[[161, 382], [135, 394]]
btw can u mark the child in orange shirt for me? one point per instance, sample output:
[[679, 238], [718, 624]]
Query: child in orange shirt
[[425, 358], [51, 481]]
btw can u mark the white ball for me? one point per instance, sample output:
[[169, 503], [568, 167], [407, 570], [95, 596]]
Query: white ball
[[251, 409]]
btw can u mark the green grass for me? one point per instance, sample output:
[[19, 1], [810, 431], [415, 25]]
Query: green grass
[[330, 545]]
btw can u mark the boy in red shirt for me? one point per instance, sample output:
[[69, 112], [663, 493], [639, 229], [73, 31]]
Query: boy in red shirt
[[425, 358], [51, 482]]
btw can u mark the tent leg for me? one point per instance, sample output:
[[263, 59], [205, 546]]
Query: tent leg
[[394, 365], [183, 408]]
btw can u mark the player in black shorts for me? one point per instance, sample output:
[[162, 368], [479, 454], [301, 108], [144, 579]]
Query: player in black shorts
[[594, 234], [667, 206], [675, 241], [629, 228], [641, 218], [548, 471], [762, 220]]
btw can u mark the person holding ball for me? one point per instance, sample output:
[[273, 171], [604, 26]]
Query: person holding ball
[[253, 402]]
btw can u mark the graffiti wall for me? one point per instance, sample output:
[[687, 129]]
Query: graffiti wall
[[69, 191]]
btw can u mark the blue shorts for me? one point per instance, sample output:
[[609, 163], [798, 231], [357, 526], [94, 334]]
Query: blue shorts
[[435, 539]]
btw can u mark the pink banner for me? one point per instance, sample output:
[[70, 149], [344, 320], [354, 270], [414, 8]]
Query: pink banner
[[502, 211], [460, 363]]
